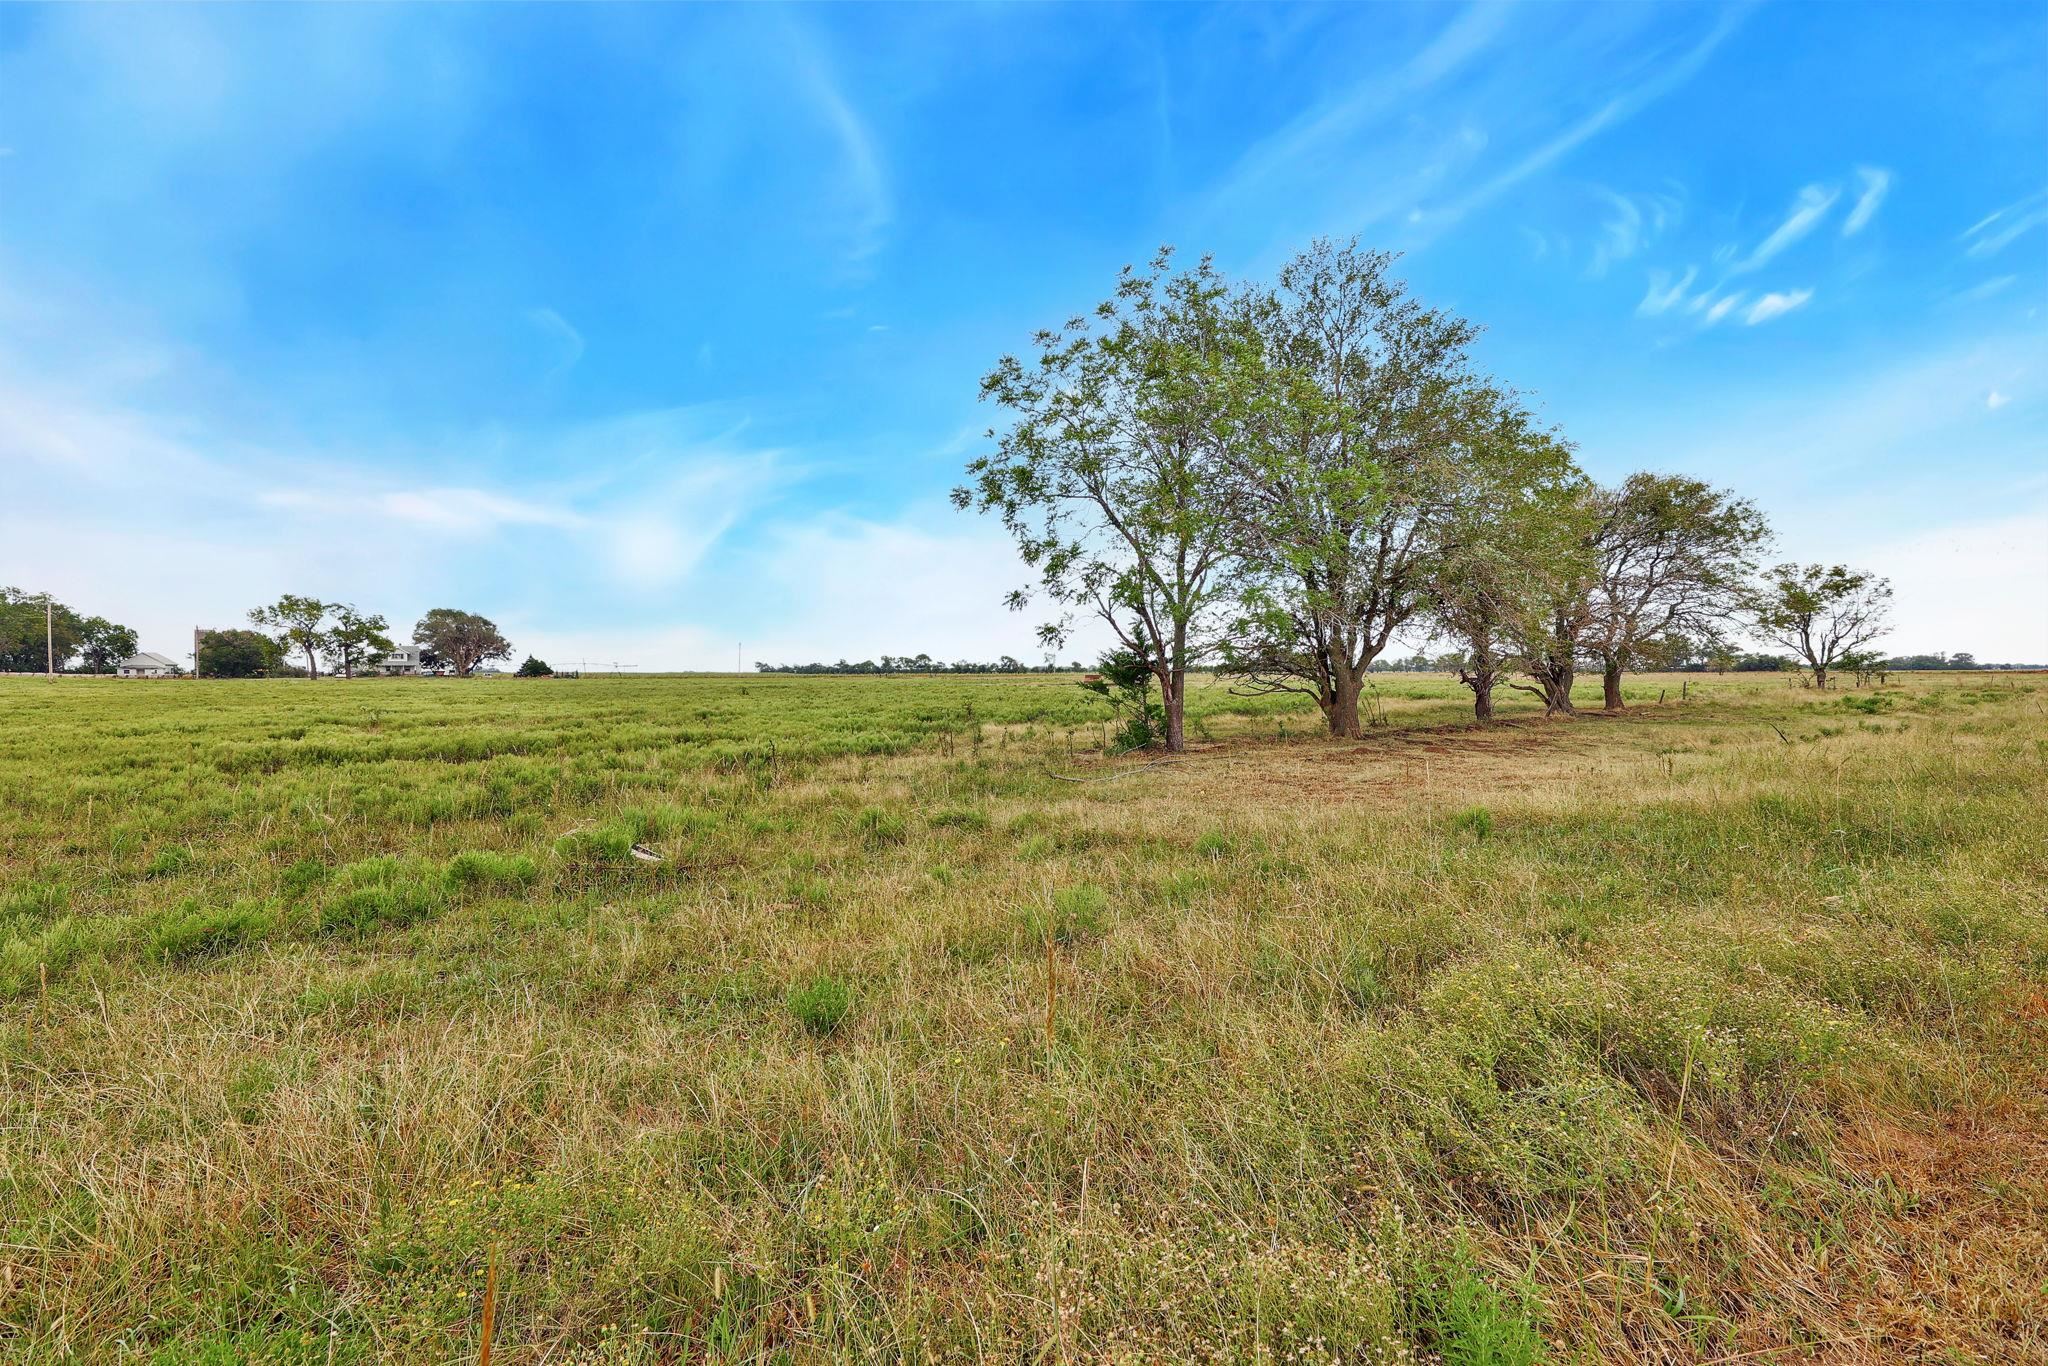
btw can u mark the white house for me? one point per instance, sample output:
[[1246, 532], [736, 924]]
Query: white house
[[402, 659], [148, 665]]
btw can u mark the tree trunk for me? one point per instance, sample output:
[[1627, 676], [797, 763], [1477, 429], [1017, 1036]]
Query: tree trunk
[[1610, 685], [1342, 711], [1173, 693], [1557, 691], [1820, 677], [1480, 681], [312, 665]]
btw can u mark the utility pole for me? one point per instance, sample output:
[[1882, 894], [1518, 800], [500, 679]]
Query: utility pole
[[739, 655], [49, 640]]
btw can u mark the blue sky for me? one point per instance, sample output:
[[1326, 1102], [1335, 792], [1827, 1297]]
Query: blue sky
[[651, 330]]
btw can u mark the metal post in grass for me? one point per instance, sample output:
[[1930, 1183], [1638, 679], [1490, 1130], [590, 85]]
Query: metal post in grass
[[1052, 981], [490, 1314]]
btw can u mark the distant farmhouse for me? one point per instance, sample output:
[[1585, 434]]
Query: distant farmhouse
[[404, 659], [148, 665]]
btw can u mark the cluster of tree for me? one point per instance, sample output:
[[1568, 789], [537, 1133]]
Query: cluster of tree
[[346, 639], [1960, 660], [922, 664], [37, 632], [1275, 479]]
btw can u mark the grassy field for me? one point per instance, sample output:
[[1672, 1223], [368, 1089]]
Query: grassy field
[[1714, 1031]]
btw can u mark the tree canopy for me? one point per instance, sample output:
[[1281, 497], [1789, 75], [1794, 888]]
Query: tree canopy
[[462, 640], [103, 645], [1823, 613], [355, 639], [1107, 473], [237, 654], [296, 624], [30, 641]]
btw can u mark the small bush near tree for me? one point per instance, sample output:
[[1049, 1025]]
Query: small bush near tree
[[534, 668], [1125, 683]]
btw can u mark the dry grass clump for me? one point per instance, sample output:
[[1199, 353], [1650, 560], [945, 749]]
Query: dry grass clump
[[1698, 1033]]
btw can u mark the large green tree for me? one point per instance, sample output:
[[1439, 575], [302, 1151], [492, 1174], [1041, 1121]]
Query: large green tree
[[297, 624], [1109, 472], [1823, 613], [237, 654], [463, 639], [1553, 609], [103, 645], [1501, 552], [1355, 455], [30, 640], [355, 639], [1673, 560]]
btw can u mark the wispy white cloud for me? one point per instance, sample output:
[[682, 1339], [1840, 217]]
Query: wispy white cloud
[[447, 510], [234, 516], [1857, 463], [1776, 305], [1315, 140], [1984, 289], [1876, 183], [1721, 307], [567, 341], [1665, 293], [1379, 154], [1615, 111], [1811, 205], [1996, 400], [1632, 223], [864, 176], [1999, 229]]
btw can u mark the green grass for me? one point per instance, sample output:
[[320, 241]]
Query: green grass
[[1608, 1039]]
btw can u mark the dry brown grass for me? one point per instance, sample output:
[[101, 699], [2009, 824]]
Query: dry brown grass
[[1702, 1045]]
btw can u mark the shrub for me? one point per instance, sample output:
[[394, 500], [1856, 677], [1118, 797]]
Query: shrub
[[604, 844], [26, 960], [1125, 682], [195, 931], [1076, 913], [169, 861], [302, 877], [477, 868], [381, 897], [881, 827], [1359, 979], [1476, 821], [821, 1004], [27, 909], [1469, 1322]]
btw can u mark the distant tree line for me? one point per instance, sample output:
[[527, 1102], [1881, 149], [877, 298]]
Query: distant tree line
[[1274, 479], [922, 664], [30, 639]]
